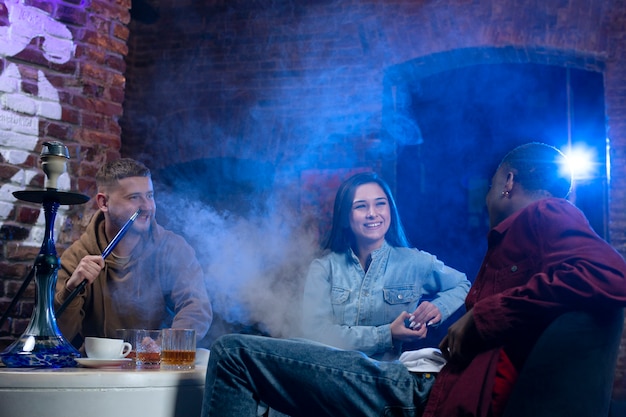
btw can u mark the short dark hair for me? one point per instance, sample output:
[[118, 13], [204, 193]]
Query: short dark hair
[[540, 167], [341, 237], [111, 172]]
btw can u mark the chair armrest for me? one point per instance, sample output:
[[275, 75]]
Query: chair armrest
[[571, 368]]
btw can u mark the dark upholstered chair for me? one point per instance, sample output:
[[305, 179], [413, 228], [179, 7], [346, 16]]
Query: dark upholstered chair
[[570, 370]]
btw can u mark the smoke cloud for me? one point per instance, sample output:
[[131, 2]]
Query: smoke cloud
[[255, 264]]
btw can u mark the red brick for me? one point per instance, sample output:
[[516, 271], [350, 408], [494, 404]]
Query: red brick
[[7, 171], [71, 15], [56, 130], [28, 215], [120, 31]]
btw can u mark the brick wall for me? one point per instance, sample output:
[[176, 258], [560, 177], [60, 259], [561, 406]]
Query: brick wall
[[62, 79]]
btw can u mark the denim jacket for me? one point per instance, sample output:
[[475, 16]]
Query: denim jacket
[[346, 307]]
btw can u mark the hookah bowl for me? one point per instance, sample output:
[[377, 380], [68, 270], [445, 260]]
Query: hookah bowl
[[42, 345]]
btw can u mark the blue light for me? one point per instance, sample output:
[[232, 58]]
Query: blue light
[[581, 162]]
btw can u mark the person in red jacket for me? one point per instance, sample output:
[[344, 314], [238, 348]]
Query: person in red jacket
[[543, 259]]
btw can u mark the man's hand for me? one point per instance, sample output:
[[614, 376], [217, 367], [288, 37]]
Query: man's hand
[[88, 269], [462, 342]]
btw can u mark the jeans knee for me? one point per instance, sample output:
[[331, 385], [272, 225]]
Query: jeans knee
[[228, 343], [224, 343]]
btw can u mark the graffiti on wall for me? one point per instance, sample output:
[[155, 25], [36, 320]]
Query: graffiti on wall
[[20, 111]]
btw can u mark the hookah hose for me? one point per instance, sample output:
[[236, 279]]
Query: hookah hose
[[112, 244], [18, 295]]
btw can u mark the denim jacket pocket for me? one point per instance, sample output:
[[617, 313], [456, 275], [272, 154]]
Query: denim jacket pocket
[[401, 295], [399, 299], [339, 295]]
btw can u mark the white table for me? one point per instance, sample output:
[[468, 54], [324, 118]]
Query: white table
[[102, 392]]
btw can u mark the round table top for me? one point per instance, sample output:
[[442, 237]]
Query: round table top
[[82, 377]]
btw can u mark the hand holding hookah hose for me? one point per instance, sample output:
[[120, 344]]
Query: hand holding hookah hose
[[106, 252]]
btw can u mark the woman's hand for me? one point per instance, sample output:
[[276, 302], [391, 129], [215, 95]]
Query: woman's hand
[[426, 314], [401, 333]]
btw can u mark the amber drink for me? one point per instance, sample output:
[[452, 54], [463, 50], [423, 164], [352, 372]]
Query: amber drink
[[178, 357], [178, 349], [148, 349]]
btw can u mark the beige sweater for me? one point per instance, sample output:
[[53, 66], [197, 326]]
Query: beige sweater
[[161, 285]]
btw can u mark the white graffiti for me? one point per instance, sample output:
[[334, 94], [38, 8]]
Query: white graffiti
[[27, 23], [20, 111]]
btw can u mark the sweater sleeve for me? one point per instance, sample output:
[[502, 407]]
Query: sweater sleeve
[[192, 306]]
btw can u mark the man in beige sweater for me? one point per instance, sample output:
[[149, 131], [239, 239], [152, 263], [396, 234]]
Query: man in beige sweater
[[151, 280]]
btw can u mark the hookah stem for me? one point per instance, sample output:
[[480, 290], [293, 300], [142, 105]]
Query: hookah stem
[[112, 244]]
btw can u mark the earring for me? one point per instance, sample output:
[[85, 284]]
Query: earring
[[505, 193]]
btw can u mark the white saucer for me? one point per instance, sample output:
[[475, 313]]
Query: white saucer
[[101, 363]]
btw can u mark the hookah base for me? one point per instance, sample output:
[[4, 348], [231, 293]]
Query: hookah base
[[40, 352]]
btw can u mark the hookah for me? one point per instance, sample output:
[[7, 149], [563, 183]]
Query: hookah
[[42, 345]]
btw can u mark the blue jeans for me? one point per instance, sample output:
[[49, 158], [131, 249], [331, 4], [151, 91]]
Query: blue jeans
[[303, 378]]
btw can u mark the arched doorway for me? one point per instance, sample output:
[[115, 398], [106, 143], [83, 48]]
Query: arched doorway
[[454, 125]]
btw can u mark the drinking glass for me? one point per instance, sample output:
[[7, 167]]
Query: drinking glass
[[148, 349], [130, 336], [178, 349]]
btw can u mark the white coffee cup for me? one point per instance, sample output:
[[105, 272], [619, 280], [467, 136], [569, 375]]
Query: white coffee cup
[[104, 348]]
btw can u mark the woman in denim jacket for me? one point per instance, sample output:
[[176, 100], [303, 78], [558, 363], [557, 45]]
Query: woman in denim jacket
[[365, 294]]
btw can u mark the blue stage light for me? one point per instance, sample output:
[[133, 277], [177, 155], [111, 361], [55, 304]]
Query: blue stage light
[[582, 162]]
